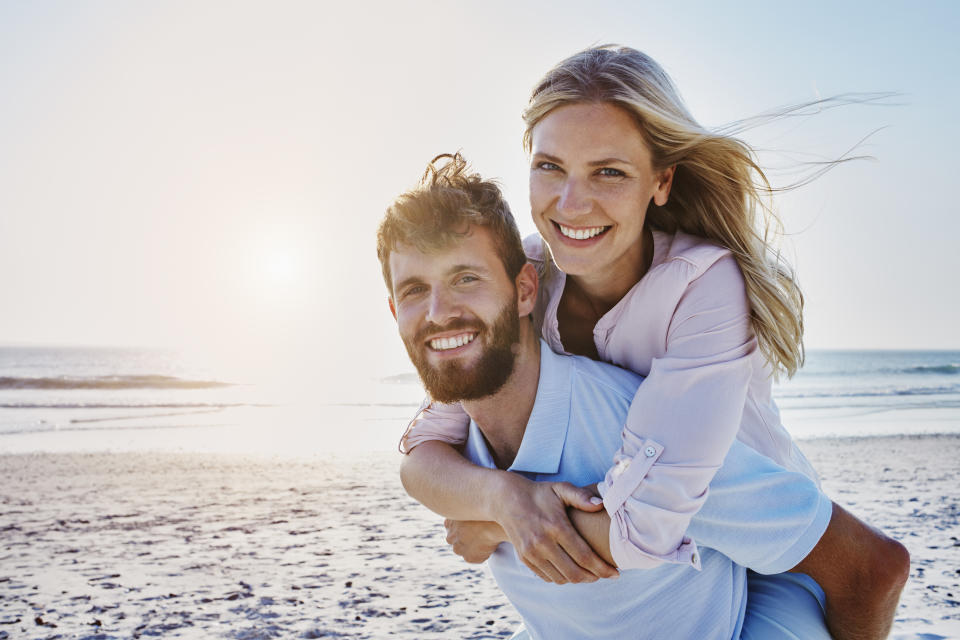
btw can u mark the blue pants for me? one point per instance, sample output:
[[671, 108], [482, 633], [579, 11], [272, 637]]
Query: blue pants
[[785, 606]]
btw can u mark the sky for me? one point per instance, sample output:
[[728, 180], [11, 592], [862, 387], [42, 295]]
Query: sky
[[209, 175]]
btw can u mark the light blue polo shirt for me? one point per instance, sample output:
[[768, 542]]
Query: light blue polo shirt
[[757, 515]]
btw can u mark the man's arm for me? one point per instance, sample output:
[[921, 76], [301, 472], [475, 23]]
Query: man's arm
[[532, 514], [862, 573]]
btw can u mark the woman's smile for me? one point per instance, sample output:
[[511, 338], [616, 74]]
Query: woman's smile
[[581, 233]]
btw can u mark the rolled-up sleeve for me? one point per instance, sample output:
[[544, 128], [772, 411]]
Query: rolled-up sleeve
[[436, 421], [681, 422], [760, 515]]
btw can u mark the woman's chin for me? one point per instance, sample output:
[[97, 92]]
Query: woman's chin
[[573, 265]]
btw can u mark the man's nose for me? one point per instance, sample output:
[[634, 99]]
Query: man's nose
[[574, 198], [443, 306]]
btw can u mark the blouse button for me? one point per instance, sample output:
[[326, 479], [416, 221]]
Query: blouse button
[[650, 452]]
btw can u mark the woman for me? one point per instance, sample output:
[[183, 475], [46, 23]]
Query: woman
[[653, 257]]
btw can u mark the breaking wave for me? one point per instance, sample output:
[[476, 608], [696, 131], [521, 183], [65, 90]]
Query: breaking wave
[[109, 382]]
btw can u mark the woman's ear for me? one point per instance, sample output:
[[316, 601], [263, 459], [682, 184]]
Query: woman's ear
[[527, 285], [393, 309], [664, 182]]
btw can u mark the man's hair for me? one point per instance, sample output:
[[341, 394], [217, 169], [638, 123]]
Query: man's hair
[[443, 208]]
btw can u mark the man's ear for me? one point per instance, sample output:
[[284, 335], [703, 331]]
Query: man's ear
[[664, 182], [393, 309], [527, 285]]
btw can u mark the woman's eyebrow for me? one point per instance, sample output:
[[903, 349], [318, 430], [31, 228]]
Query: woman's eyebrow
[[546, 156], [610, 160], [540, 155]]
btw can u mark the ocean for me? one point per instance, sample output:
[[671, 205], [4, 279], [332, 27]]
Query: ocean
[[56, 399]]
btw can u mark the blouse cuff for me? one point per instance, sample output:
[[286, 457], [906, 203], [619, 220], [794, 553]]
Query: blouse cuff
[[630, 548], [435, 421]]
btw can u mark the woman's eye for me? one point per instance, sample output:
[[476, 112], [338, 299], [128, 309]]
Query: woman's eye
[[611, 173], [547, 166]]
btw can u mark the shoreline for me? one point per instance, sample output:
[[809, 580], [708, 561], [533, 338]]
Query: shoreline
[[188, 545]]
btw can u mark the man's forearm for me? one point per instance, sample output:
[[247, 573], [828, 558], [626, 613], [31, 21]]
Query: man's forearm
[[439, 478]]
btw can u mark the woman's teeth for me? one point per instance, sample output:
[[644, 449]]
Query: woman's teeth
[[581, 234], [443, 344]]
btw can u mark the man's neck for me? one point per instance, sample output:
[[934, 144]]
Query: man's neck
[[503, 416]]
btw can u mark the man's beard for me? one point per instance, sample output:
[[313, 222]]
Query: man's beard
[[451, 381]]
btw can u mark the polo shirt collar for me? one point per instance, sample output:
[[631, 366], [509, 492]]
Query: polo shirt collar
[[546, 432]]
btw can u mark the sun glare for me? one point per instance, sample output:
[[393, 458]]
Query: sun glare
[[280, 268]]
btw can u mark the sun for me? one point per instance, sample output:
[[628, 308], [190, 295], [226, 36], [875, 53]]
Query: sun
[[280, 267]]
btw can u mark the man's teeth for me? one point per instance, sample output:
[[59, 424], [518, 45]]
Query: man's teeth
[[442, 344], [581, 234]]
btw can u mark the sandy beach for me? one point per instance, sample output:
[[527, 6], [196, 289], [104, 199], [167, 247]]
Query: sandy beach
[[201, 546]]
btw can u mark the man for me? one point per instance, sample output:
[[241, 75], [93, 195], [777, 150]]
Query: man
[[462, 294]]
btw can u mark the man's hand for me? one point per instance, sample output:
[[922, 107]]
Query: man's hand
[[474, 541], [533, 516]]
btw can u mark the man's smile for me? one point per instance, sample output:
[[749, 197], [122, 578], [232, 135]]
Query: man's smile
[[448, 343]]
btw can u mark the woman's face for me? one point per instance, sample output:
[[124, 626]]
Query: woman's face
[[591, 179]]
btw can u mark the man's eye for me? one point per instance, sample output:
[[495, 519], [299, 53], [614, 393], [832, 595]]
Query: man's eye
[[611, 173], [412, 291], [467, 279]]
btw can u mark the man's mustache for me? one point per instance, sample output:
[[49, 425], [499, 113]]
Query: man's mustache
[[457, 324]]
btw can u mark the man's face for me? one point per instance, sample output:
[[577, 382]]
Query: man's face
[[457, 313]]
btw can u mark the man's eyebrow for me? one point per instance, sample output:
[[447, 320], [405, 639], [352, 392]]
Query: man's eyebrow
[[457, 268]]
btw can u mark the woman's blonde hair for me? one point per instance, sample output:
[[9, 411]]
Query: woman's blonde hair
[[719, 191]]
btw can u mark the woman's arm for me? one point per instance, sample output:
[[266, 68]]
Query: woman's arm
[[684, 417], [476, 541]]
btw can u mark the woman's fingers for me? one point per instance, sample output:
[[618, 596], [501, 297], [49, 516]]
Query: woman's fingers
[[560, 569], [569, 569], [549, 553], [578, 497], [552, 576], [581, 553]]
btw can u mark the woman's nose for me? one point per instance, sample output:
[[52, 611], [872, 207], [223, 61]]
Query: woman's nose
[[574, 198]]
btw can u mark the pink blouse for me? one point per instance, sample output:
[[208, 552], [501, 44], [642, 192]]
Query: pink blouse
[[685, 326]]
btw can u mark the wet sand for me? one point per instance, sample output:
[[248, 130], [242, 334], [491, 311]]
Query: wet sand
[[200, 546]]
